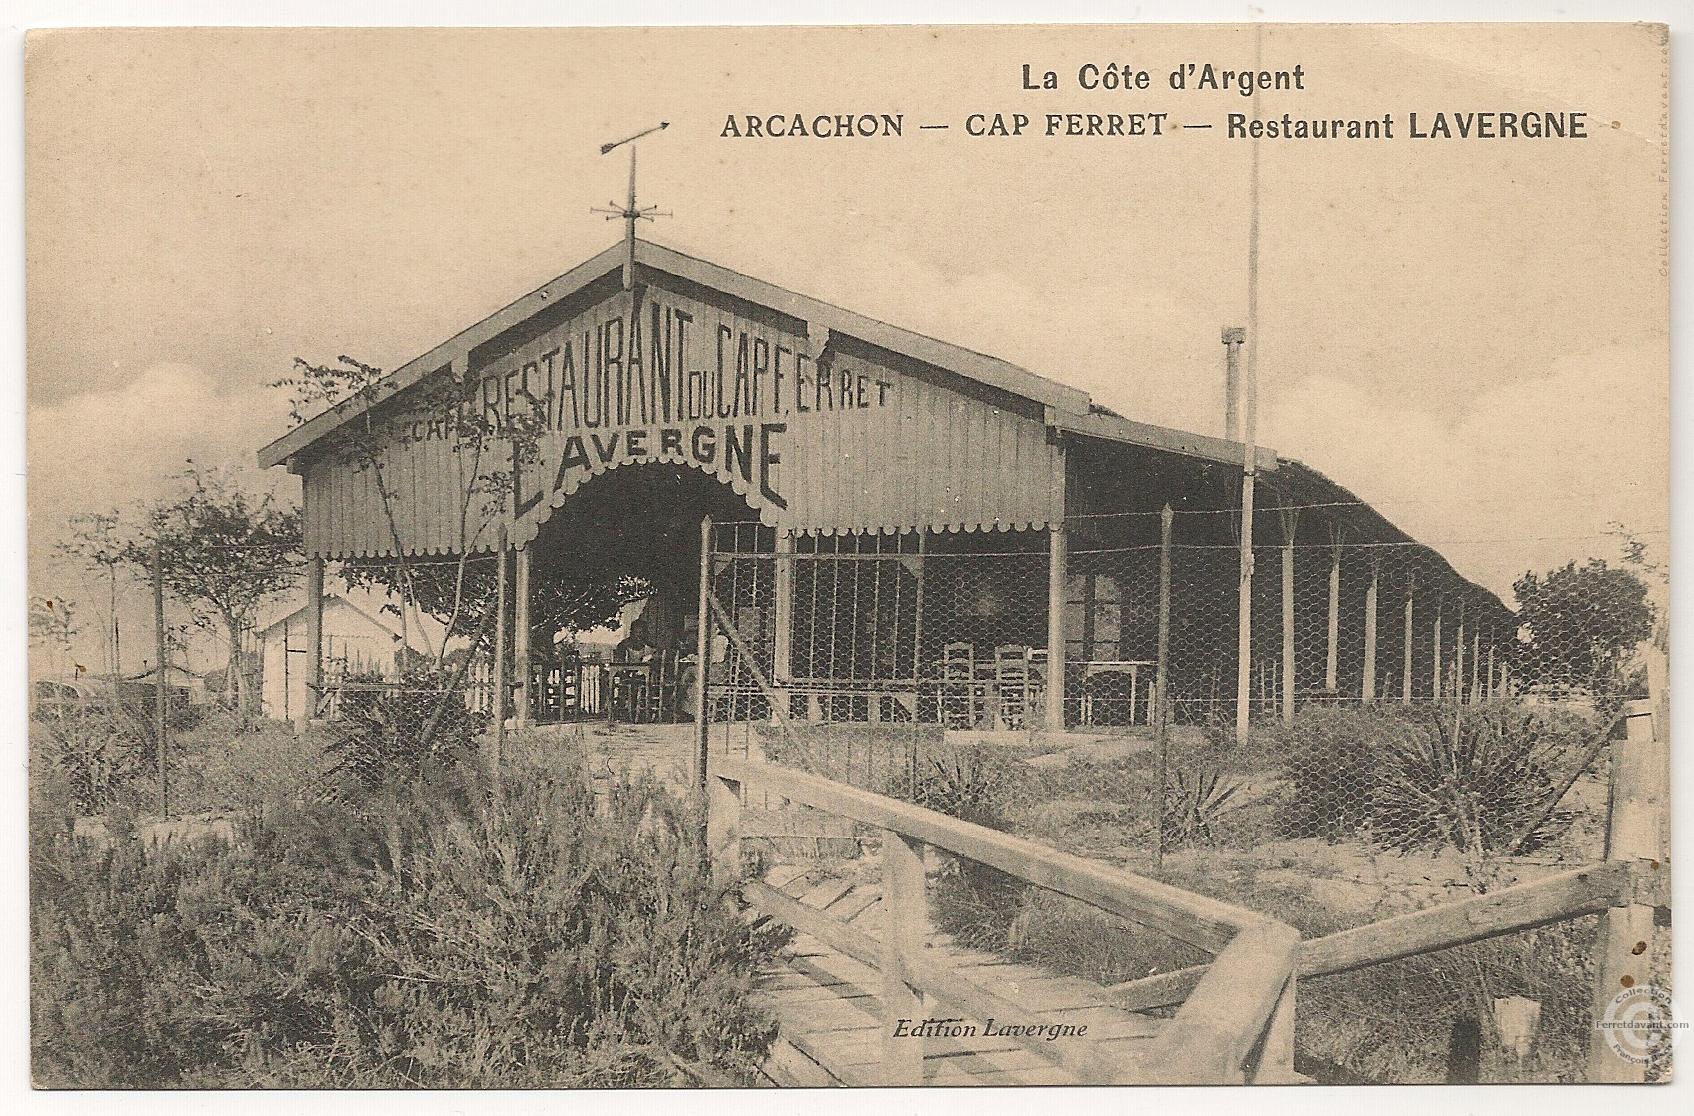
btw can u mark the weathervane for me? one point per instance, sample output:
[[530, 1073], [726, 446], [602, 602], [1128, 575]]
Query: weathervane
[[630, 213]]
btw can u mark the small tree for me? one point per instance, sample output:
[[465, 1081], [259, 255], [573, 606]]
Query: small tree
[[224, 554], [1582, 622], [491, 448]]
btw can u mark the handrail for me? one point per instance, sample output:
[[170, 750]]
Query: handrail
[[1573, 894], [1242, 1007], [1196, 919]]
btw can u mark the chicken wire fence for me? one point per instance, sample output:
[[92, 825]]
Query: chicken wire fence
[[1396, 738]]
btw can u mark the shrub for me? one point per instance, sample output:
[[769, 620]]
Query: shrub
[[446, 934], [1469, 778], [1197, 800], [98, 756], [387, 734]]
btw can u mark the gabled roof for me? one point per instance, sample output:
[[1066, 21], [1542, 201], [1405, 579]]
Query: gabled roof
[[290, 609], [1067, 408]]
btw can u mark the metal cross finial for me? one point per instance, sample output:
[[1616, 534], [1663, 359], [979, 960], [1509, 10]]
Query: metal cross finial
[[630, 213]]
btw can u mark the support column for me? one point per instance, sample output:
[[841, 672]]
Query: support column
[[1332, 663], [1367, 689], [1290, 521], [1475, 666], [502, 589], [520, 641], [1406, 663], [1435, 670], [1057, 567], [782, 663], [1459, 657], [702, 662], [1161, 684], [314, 639]]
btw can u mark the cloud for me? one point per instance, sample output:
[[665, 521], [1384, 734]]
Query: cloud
[[100, 450], [1526, 473]]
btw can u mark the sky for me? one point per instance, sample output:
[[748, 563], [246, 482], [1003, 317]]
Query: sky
[[1470, 335]]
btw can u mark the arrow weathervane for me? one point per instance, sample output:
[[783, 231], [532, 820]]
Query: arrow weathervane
[[630, 213]]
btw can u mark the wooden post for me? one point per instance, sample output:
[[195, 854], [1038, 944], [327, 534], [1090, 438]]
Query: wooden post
[[1290, 521], [161, 700], [1057, 563], [1493, 692], [1332, 663], [520, 640], [1475, 666], [723, 830], [1276, 1056], [905, 921], [1406, 666], [1161, 714], [501, 591], [314, 640], [702, 659], [782, 620], [1624, 943], [1459, 657], [1367, 689], [1435, 671], [1249, 471]]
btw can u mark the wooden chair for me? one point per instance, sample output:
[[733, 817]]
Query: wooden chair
[[1011, 683], [958, 686]]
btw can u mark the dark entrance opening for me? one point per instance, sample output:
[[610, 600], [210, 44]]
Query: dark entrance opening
[[629, 535]]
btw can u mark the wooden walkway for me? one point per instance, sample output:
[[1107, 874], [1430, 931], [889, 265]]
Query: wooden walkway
[[831, 1018]]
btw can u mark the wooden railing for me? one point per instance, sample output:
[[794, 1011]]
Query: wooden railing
[[1626, 891], [1234, 1025]]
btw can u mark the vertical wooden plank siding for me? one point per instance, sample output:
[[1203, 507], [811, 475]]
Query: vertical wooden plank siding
[[967, 458]]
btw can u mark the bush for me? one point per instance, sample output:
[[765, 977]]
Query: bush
[[388, 734], [449, 934], [95, 756]]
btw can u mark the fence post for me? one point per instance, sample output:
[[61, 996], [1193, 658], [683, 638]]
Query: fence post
[[1624, 942], [1276, 1055], [1459, 657], [314, 640], [723, 830], [1161, 716], [905, 921], [161, 701], [782, 660], [702, 657], [1244, 618], [1367, 688]]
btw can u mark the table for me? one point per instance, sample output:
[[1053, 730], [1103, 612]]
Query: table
[[1130, 667], [621, 678]]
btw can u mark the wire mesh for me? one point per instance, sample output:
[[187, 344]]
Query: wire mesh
[[1408, 740]]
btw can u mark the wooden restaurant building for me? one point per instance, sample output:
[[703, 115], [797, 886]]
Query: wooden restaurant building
[[904, 528]]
